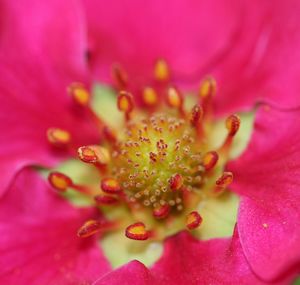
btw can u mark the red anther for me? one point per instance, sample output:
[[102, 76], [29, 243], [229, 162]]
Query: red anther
[[196, 115], [153, 156], [105, 200], [208, 87], [176, 181], [137, 231], [161, 70], [224, 181], [233, 124], [110, 185], [59, 181], [120, 76], [58, 137], [174, 98], [79, 94], [89, 228], [125, 102], [94, 154], [210, 159], [150, 96], [193, 220], [161, 212]]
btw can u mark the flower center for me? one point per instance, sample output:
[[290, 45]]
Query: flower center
[[158, 165]]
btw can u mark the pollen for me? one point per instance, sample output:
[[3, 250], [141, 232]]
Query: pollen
[[94, 154], [161, 70], [79, 94], [59, 181], [137, 231], [208, 87], [58, 137], [193, 220], [110, 185], [89, 228], [150, 96]]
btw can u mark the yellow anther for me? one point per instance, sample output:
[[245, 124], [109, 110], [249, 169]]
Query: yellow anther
[[161, 71]]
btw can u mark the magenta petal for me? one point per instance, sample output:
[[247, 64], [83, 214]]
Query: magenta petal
[[189, 261], [133, 273], [189, 35], [41, 52], [38, 241], [267, 177], [262, 64], [51, 30], [33, 99]]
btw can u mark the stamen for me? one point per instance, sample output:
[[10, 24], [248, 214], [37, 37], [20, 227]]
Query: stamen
[[162, 211], [196, 115], [58, 137], [105, 200], [176, 181], [110, 185], [150, 96], [208, 87], [223, 182], [174, 98], [137, 231], [193, 220], [161, 71], [210, 159], [60, 181], [94, 154], [233, 124], [79, 93], [125, 103], [89, 228], [120, 76]]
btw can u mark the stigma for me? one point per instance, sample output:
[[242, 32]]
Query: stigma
[[158, 162]]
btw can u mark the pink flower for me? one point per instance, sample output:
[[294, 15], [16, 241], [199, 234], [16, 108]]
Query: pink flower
[[238, 44]]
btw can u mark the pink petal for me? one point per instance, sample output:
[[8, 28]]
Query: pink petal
[[41, 53], [187, 260], [52, 30], [262, 64], [38, 242], [133, 273], [268, 178], [189, 35]]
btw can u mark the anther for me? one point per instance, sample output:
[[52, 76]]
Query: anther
[[125, 103], [162, 211], [79, 94], [223, 182], [208, 87], [233, 124], [175, 182], [58, 137], [174, 98], [161, 71], [210, 159], [94, 154], [105, 200], [196, 115], [110, 185], [137, 231], [89, 228], [60, 181], [150, 96], [193, 220], [120, 76]]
